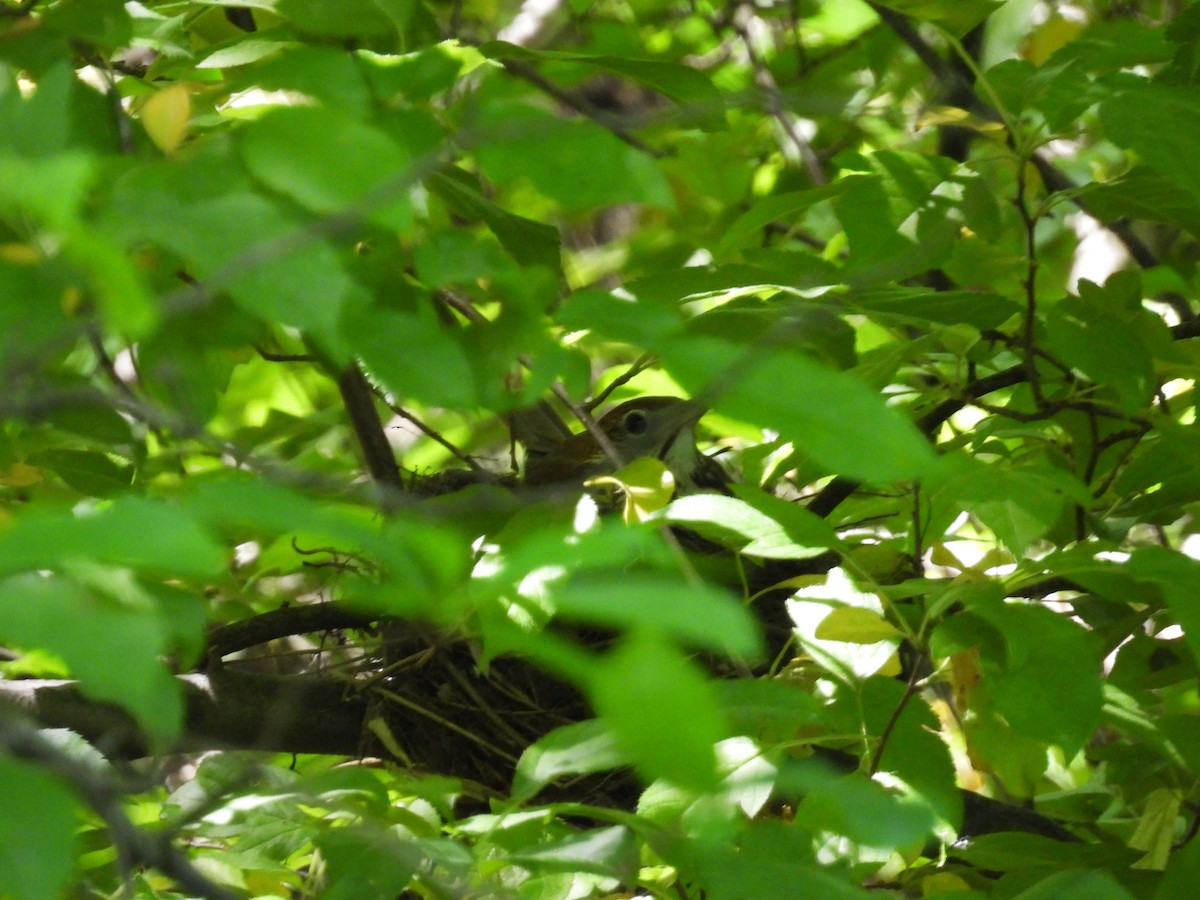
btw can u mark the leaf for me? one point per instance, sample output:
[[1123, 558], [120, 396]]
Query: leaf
[[849, 662], [829, 414], [611, 851], [88, 472], [413, 356], [38, 821], [1048, 685], [144, 534], [527, 241], [698, 614], [331, 162], [1176, 575], [1162, 124], [958, 16], [698, 100], [114, 648], [1110, 344], [747, 228], [363, 861], [577, 749], [1019, 505], [1076, 884], [645, 690], [575, 163], [977, 308], [856, 626], [165, 116], [861, 810], [788, 531]]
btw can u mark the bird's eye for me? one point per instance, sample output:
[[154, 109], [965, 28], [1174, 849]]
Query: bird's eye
[[635, 423]]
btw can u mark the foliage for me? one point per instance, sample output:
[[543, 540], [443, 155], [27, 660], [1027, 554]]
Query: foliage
[[929, 265]]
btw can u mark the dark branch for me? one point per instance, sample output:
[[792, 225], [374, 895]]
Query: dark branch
[[368, 428]]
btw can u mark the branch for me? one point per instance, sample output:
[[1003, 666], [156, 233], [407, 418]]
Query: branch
[[368, 428], [580, 105], [955, 85], [281, 623], [23, 740], [292, 714]]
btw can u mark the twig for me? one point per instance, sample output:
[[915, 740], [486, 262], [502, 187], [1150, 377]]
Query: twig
[[580, 105], [134, 846], [638, 366], [774, 96]]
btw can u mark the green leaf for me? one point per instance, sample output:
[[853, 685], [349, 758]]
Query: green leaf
[[575, 163], [1176, 575], [915, 758], [528, 242], [698, 101], [754, 523], [829, 414], [1108, 341], [114, 647], [958, 16], [855, 625], [144, 534], [646, 689], [234, 239], [747, 228], [976, 308], [37, 832], [1076, 884], [611, 851], [576, 749], [350, 18], [364, 861], [1019, 505], [331, 162], [849, 662], [768, 711], [415, 357], [1162, 124], [861, 810], [88, 472], [1143, 194], [1048, 685], [700, 615]]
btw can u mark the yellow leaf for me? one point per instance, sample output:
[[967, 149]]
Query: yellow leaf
[[891, 668], [20, 474], [855, 625], [21, 254], [648, 486], [165, 117], [943, 883]]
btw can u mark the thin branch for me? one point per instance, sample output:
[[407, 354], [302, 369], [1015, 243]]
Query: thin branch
[[580, 105], [910, 690], [134, 846], [776, 106]]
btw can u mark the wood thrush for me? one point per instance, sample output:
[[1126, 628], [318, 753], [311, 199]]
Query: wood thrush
[[661, 427]]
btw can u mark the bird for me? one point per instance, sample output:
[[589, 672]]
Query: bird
[[659, 427]]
